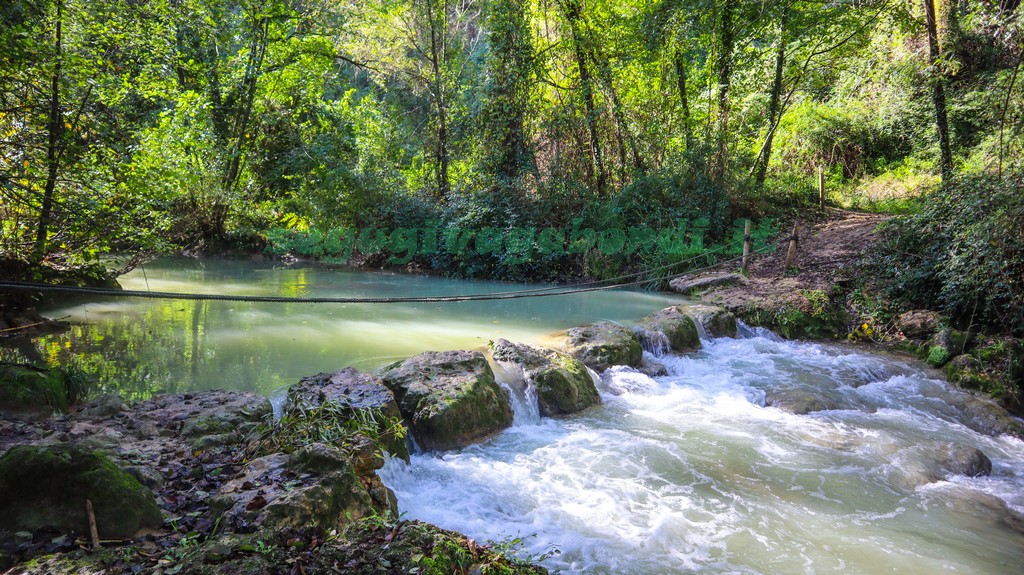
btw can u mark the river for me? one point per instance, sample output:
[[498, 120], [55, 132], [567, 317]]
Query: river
[[684, 473]]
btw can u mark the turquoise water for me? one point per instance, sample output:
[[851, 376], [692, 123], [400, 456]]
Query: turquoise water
[[139, 346]]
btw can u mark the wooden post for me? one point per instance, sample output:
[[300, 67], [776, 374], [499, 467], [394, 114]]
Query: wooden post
[[93, 532], [821, 187], [746, 247], [791, 254]]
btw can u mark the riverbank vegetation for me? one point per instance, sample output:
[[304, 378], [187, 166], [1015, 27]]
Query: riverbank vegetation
[[202, 126], [205, 127]]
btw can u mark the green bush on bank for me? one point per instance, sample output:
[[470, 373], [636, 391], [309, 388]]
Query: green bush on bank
[[964, 252]]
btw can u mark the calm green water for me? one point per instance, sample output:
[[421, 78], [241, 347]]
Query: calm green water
[[138, 347]]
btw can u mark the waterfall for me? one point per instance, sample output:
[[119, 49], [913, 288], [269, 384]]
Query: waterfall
[[654, 342], [522, 394]]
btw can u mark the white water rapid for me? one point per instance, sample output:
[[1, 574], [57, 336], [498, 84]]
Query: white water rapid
[[692, 473]]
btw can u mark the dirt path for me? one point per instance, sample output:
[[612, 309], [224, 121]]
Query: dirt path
[[826, 253]]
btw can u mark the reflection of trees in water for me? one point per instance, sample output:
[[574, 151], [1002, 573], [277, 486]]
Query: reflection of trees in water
[[160, 348]]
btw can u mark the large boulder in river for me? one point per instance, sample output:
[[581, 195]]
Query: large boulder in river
[[604, 344], [716, 321], [317, 484], [348, 394], [986, 416], [799, 400], [936, 461], [46, 487], [678, 327], [562, 383], [449, 398]]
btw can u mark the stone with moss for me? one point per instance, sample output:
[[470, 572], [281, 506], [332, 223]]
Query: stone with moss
[[716, 321], [562, 383], [679, 328], [46, 487], [316, 485], [207, 419], [984, 415], [353, 395], [26, 388], [99, 562], [373, 547], [946, 345], [449, 398], [793, 322], [603, 344]]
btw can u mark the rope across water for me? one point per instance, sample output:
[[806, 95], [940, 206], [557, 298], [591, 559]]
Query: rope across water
[[612, 283]]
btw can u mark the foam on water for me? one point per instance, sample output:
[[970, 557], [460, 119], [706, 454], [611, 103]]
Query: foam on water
[[690, 472]]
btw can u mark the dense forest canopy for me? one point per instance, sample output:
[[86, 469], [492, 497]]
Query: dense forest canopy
[[153, 126]]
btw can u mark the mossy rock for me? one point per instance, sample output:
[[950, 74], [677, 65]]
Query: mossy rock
[[449, 399], [716, 321], [98, 562], [28, 388], [791, 322], [316, 485], [562, 383], [604, 344], [679, 327], [207, 418], [371, 548], [46, 487], [946, 345], [350, 393]]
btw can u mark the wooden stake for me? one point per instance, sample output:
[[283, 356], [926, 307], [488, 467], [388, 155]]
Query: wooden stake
[[821, 187], [93, 532], [746, 247], [791, 254]]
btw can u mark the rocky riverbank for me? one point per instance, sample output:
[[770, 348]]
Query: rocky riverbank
[[210, 482], [829, 294]]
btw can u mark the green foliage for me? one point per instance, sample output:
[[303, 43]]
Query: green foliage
[[961, 252], [937, 356], [847, 139], [29, 387], [209, 125], [329, 423]]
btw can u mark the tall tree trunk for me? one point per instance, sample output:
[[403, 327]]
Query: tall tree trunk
[[684, 102], [437, 62], [622, 132], [55, 129], [775, 98], [727, 41], [938, 92], [253, 69], [573, 15]]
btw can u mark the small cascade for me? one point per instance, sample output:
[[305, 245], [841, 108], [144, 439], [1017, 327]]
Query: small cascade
[[744, 331], [521, 393], [702, 332], [653, 342], [277, 401]]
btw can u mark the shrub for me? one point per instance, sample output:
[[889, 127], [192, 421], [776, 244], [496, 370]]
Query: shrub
[[963, 252]]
